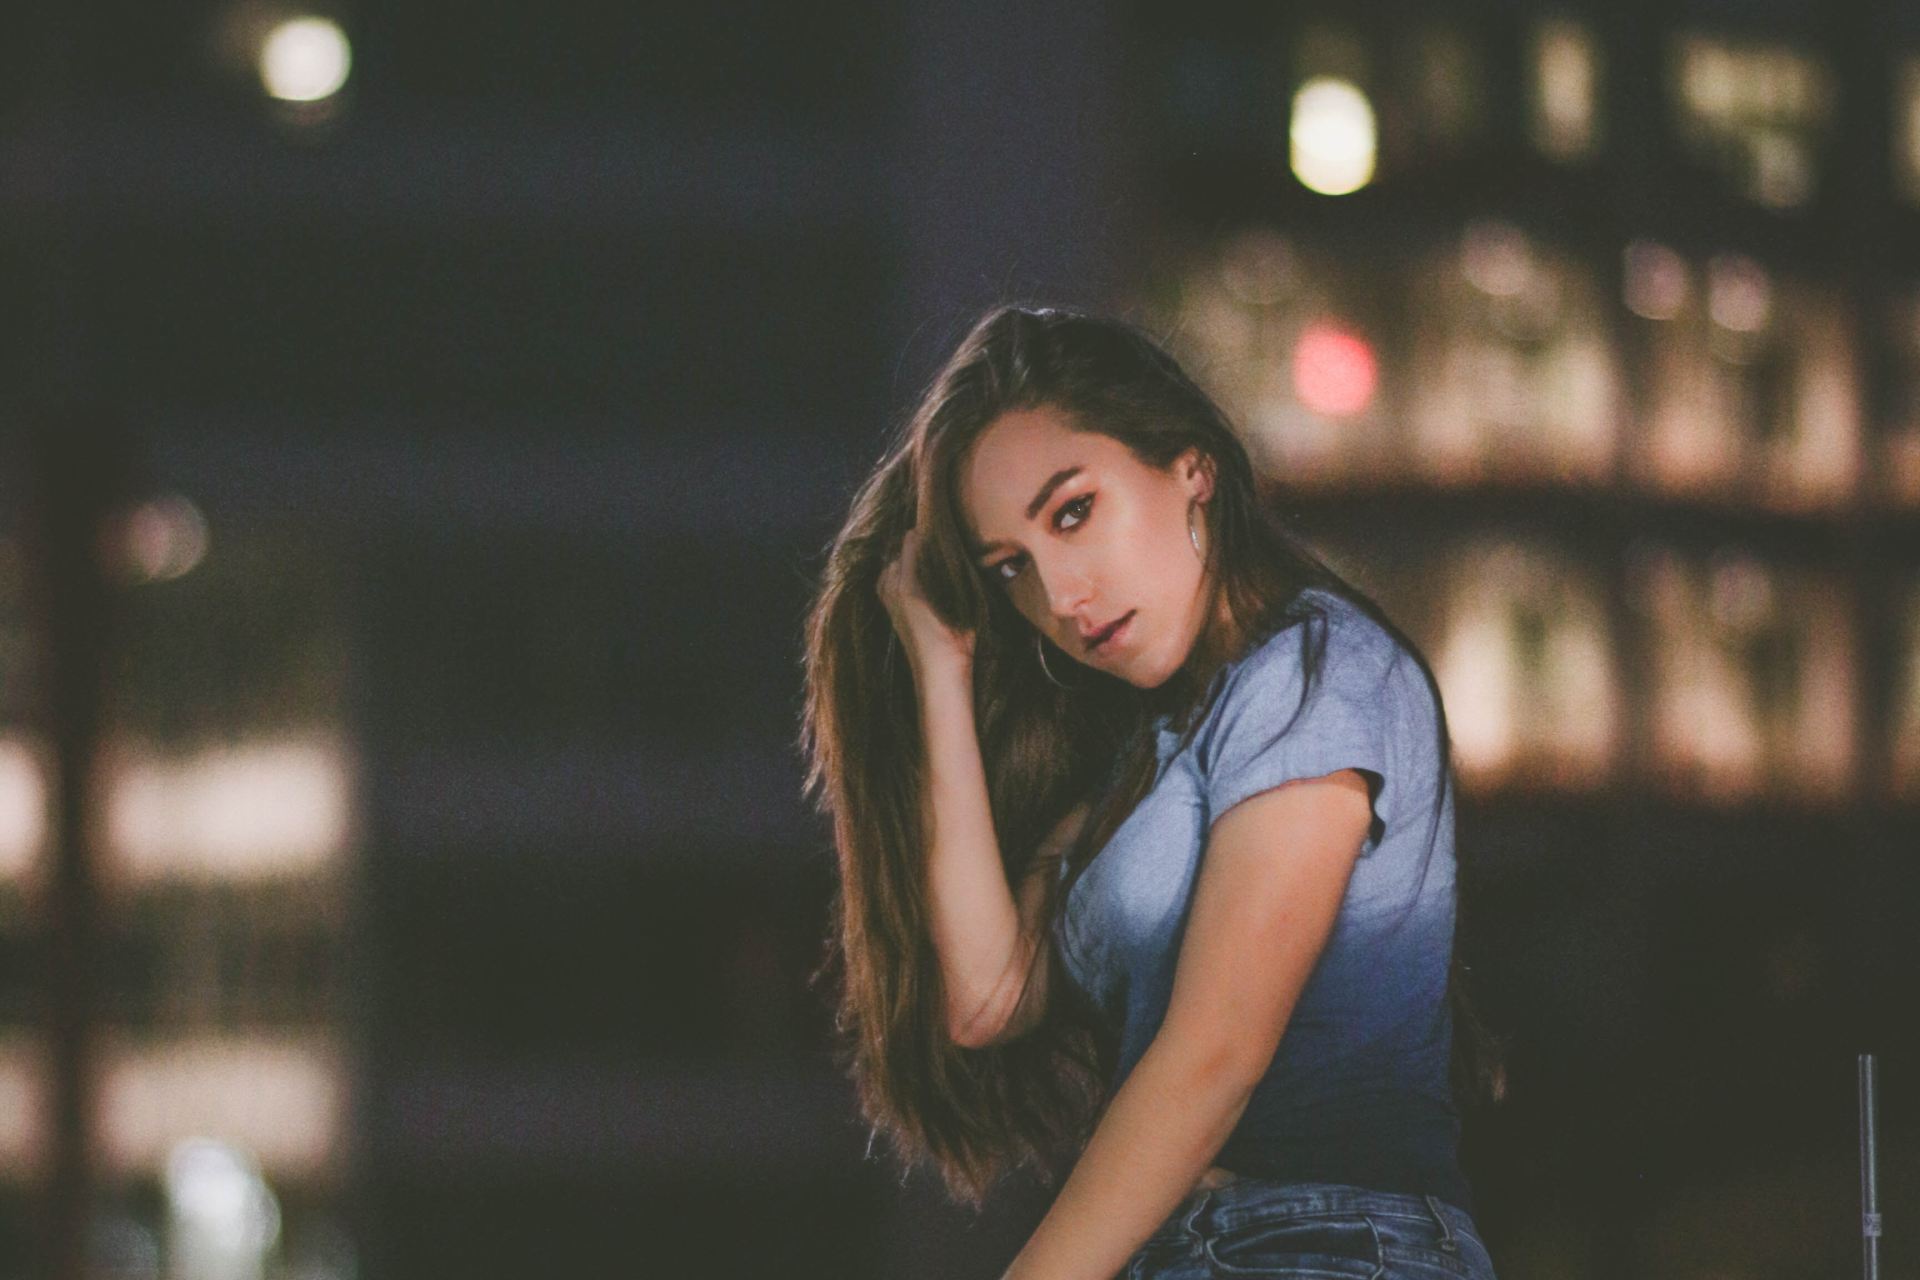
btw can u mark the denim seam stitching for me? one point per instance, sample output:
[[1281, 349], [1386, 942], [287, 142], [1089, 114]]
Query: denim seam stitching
[[1379, 1249]]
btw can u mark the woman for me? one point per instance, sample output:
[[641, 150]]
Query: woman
[[1145, 832]]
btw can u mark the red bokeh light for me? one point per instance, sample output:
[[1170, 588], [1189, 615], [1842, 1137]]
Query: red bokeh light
[[1334, 372]]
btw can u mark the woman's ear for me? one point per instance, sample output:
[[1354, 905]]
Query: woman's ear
[[1199, 474]]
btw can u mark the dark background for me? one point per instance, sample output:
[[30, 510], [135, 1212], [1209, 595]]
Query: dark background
[[519, 387]]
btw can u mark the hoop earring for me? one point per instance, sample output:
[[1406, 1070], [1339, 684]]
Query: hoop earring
[[1193, 534], [1040, 648]]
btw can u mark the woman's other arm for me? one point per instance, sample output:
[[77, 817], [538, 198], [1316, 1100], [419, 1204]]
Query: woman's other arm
[[1264, 904]]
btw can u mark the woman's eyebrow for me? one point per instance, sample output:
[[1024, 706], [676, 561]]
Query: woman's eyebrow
[[1054, 481]]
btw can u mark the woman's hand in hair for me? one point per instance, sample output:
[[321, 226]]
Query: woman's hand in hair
[[930, 642]]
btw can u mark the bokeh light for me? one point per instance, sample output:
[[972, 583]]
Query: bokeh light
[[1332, 136], [305, 59], [1334, 372]]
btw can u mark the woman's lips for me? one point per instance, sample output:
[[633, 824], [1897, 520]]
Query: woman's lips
[[1113, 633]]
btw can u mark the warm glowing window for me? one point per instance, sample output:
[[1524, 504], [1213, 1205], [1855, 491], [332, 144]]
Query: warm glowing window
[[1754, 674], [1906, 128], [1512, 367], [1752, 388], [1755, 112], [1563, 89], [1900, 445], [1904, 711], [1524, 659]]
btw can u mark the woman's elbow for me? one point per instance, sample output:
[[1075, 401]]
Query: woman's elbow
[[1013, 1012]]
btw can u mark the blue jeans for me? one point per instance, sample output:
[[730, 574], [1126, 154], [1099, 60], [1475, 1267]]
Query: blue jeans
[[1258, 1227]]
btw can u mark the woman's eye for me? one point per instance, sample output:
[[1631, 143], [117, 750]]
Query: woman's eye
[[1082, 505]]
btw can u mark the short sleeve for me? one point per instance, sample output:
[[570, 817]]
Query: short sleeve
[[1262, 733]]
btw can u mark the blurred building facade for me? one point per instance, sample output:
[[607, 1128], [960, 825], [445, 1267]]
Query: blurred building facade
[[477, 389]]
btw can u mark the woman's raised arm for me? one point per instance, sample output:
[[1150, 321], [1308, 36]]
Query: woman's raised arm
[[1017, 1005], [976, 925]]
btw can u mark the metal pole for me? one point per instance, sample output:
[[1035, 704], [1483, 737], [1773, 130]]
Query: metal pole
[[1869, 1168]]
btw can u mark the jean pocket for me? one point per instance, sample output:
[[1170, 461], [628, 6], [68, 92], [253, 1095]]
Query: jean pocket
[[1342, 1247]]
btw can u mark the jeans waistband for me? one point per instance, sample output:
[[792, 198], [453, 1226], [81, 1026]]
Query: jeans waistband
[[1221, 1208]]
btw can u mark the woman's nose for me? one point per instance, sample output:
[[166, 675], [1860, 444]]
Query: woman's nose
[[1066, 590]]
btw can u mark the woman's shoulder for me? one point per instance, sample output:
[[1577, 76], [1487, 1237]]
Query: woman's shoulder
[[1346, 642], [1354, 659], [1356, 664], [1328, 675]]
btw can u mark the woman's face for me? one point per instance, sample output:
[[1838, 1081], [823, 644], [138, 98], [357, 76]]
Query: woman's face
[[1079, 533]]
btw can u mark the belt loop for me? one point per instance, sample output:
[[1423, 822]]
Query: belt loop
[[1447, 1241]]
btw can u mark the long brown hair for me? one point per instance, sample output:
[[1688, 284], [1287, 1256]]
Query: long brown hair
[[1031, 1102]]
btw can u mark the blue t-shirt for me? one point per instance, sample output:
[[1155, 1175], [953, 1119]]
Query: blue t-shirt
[[1358, 1090]]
